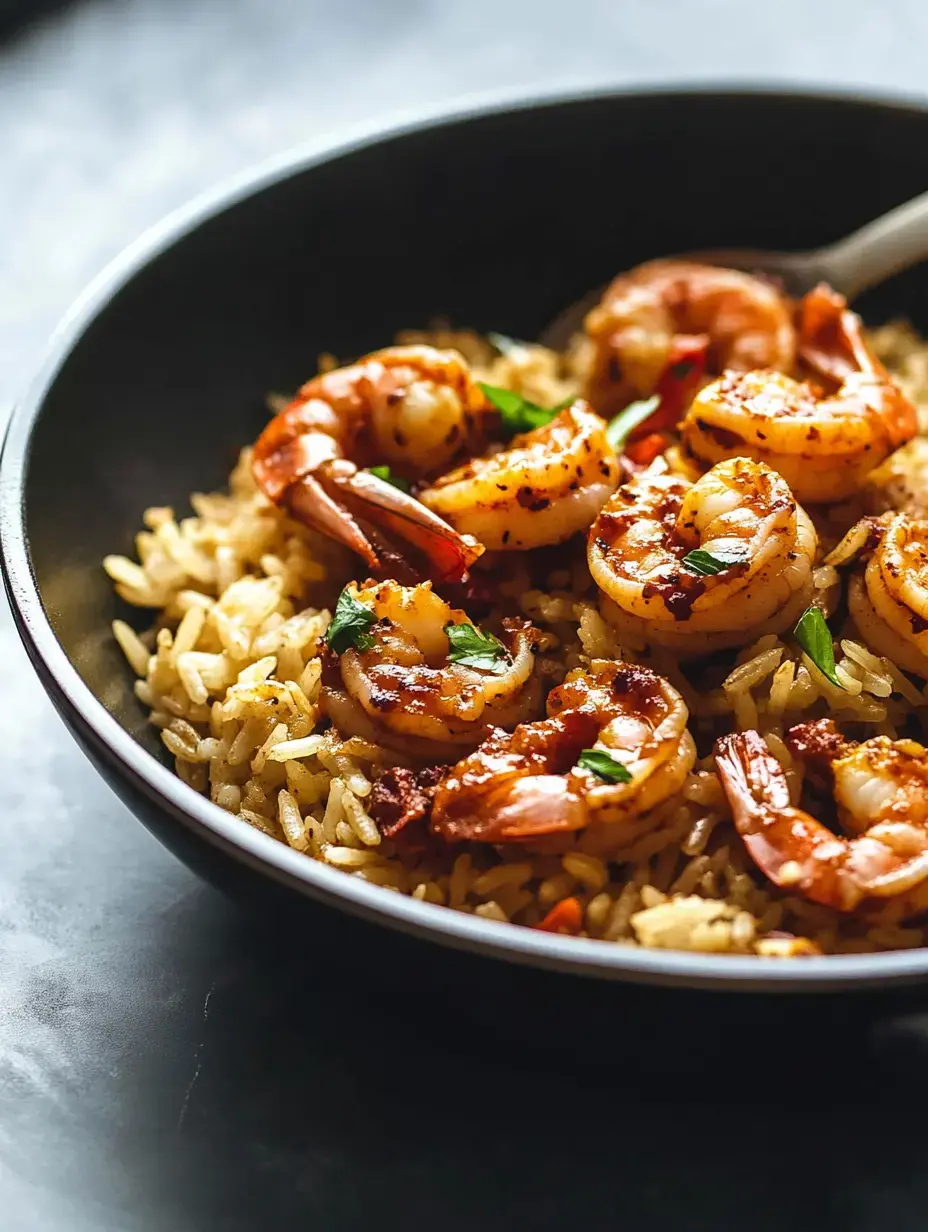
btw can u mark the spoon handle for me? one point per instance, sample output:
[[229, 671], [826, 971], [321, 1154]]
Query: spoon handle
[[878, 250]]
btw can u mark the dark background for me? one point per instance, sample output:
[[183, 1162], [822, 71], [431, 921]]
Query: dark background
[[168, 1062]]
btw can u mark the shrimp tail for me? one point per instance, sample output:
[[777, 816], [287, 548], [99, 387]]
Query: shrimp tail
[[449, 553], [350, 506], [782, 842], [832, 344]]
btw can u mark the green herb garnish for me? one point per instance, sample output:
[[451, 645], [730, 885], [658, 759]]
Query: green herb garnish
[[350, 624], [706, 564], [517, 413], [604, 765], [471, 648], [384, 473], [627, 421], [814, 636]]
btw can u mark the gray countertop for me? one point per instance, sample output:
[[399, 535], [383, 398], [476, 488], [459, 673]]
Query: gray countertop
[[158, 1070]]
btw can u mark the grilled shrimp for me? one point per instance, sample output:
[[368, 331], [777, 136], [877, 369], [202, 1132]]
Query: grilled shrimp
[[405, 693], [412, 407], [888, 596], [823, 446], [520, 786], [744, 516], [881, 790], [548, 485], [744, 322]]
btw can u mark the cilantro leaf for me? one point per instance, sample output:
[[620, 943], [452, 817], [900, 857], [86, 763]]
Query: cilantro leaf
[[350, 624], [384, 473], [814, 636], [634, 415], [706, 564], [604, 766], [472, 648], [516, 413]]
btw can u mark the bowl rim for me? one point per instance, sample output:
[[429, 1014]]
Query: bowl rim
[[85, 713]]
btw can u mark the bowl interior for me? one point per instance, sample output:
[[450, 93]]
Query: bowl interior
[[497, 221]]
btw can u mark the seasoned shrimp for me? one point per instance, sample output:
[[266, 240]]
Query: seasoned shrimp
[[743, 515], [881, 790], [549, 484], [520, 786], [745, 322], [823, 446], [405, 693], [412, 407], [888, 596]]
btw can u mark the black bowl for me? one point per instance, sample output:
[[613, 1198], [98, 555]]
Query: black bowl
[[497, 219]]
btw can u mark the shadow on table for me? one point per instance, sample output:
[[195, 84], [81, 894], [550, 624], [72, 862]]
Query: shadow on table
[[338, 1077], [16, 15]]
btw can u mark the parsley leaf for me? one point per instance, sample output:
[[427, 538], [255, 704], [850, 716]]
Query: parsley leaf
[[517, 413], [384, 473], [604, 765], [349, 625], [627, 421], [814, 636], [706, 564], [471, 648]]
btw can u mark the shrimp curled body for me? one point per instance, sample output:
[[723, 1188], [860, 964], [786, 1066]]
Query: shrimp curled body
[[823, 446], [524, 785], [745, 321], [548, 485], [888, 595], [405, 693], [740, 511], [412, 407], [881, 790]]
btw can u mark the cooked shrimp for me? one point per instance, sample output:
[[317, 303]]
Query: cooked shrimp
[[881, 790], [405, 693], [520, 786], [412, 407], [740, 511], [823, 446], [888, 596], [745, 321], [549, 484]]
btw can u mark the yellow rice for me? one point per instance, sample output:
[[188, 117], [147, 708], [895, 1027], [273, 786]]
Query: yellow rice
[[230, 674]]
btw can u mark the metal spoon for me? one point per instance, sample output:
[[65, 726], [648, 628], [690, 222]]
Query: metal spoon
[[870, 255]]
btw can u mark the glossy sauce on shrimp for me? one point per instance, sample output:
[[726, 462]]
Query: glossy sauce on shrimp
[[887, 592], [403, 689], [414, 407], [546, 486], [749, 531], [824, 444], [527, 784], [881, 789], [745, 323]]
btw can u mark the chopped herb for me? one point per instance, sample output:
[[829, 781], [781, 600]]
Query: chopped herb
[[628, 420], [349, 625], [517, 413], [682, 369], [384, 473], [471, 648], [604, 765], [705, 564], [504, 344], [814, 636]]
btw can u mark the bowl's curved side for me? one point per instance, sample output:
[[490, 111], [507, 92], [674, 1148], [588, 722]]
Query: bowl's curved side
[[231, 296]]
